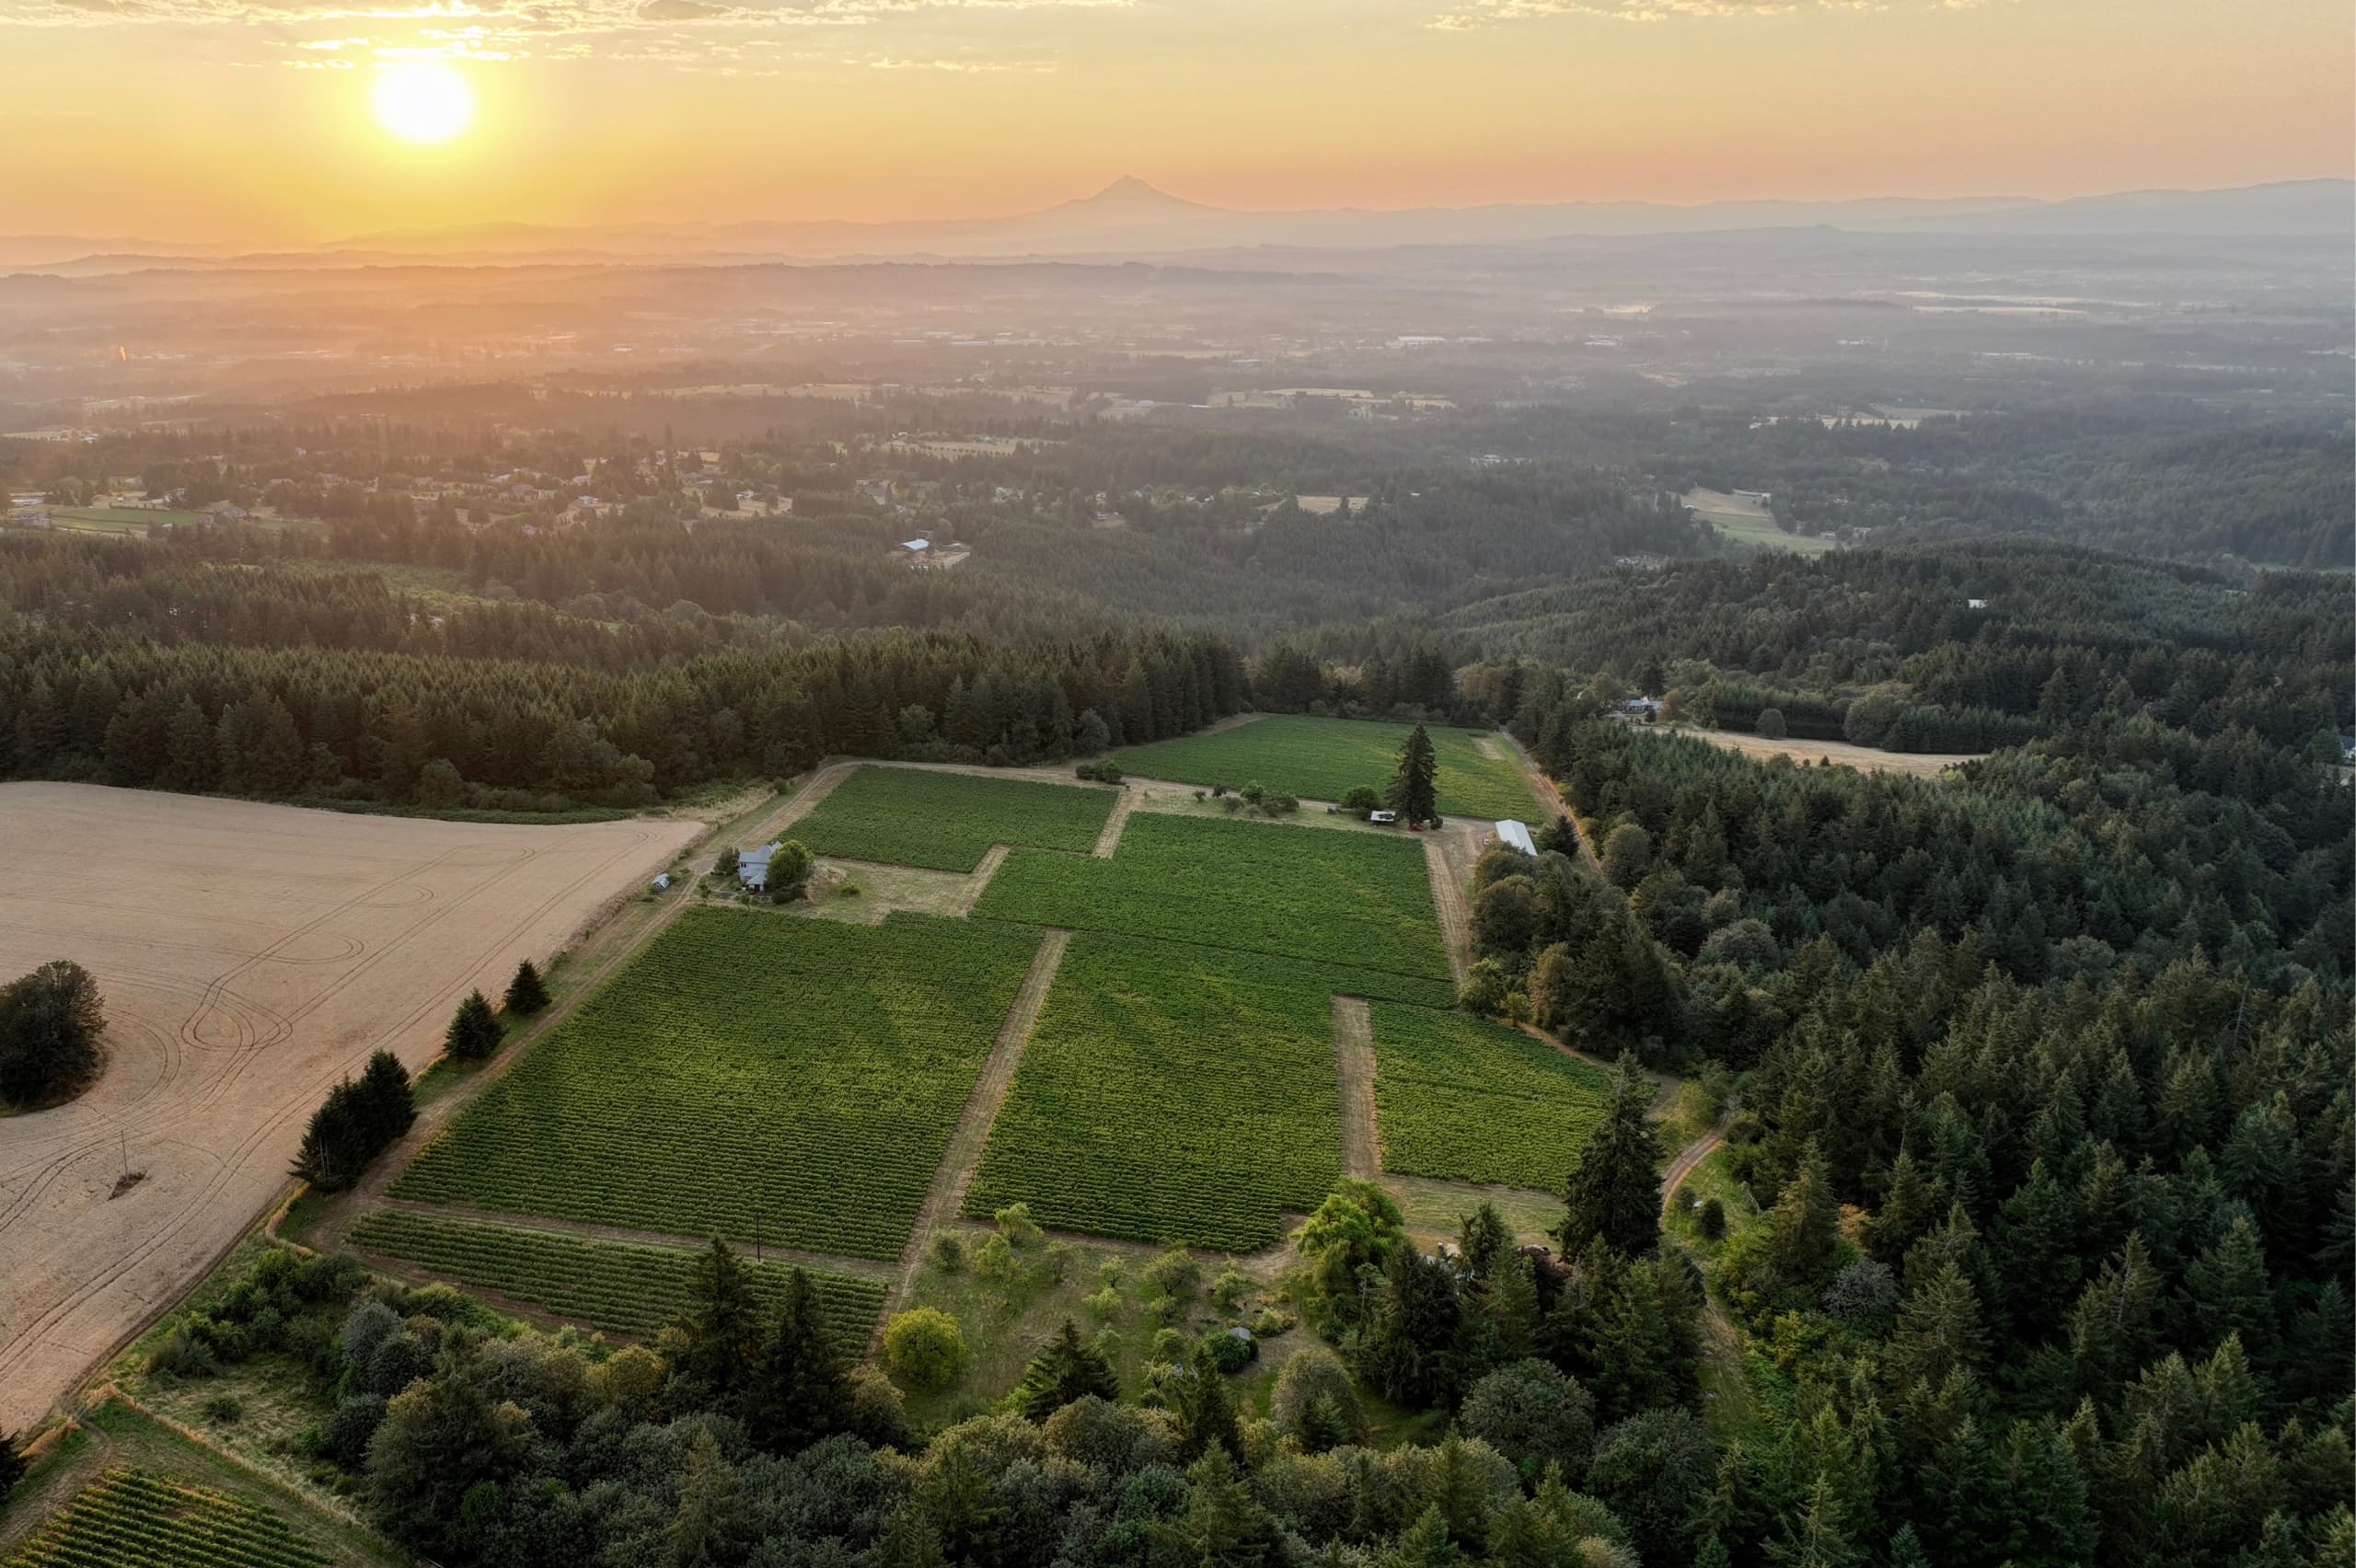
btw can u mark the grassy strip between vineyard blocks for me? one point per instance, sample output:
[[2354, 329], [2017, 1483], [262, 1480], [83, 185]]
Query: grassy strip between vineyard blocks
[[749, 1076], [1173, 1093], [1322, 759], [130, 1517], [614, 1287], [1464, 1099], [1358, 900], [946, 822]]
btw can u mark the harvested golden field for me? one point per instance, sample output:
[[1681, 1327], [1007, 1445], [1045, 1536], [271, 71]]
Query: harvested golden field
[[249, 956], [1866, 759]]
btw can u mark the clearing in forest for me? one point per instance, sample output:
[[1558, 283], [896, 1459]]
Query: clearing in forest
[[746, 1076], [616, 1287], [1468, 1100], [249, 956], [1172, 1093], [1362, 901], [946, 822], [1322, 759]]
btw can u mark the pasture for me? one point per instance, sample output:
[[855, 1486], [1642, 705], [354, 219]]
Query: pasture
[[1468, 1100], [249, 955], [135, 1516], [946, 822], [1744, 521], [1321, 759], [1362, 901], [1867, 760], [1170, 1093], [749, 1076], [614, 1287]]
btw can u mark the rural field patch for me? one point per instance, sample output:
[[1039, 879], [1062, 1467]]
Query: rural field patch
[[946, 822], [611, 1285], [249, 955], [1468, 1100], [1172, 1093], [132, 1516], [1358, 900], [746, 1076], [1319, 759]]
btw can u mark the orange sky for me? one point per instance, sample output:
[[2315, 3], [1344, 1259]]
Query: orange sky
[[247, 121]]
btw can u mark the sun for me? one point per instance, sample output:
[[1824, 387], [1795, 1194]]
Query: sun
[[425, 102]]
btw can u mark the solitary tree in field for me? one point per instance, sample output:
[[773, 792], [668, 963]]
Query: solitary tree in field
[[474, 1032], [525, 994], [1415, 789], [50, 1025], [1614, 1190]]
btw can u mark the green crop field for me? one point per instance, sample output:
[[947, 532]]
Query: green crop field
[[1458, 1098], [619, 1288], [1318, 759], [1170, 1093], [944, 822], [747, 1074], [1355, 899], [130, 1518]]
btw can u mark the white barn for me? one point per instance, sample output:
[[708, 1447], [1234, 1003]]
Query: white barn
[[1515, 835]]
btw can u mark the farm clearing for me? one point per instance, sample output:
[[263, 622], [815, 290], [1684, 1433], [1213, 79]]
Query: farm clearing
[[1322, 759], [249, 955], [1866, 759]]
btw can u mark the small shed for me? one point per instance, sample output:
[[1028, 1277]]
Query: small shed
[[662, 884], [1515, 835], [752, 868]]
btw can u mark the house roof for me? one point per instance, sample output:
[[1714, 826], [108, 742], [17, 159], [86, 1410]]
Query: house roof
[[1516, 833]]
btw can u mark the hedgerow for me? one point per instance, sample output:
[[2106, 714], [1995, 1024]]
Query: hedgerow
[[1355, 899], [1470, 1101], [749, 1076], [946, 822], [612, 1285]]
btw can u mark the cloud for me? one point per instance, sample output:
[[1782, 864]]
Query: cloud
[[513, 18], [1475, 13]]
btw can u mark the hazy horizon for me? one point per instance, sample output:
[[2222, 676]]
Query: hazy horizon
[[590, 112]]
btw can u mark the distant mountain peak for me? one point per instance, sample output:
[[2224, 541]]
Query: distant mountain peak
[[1131, 195]]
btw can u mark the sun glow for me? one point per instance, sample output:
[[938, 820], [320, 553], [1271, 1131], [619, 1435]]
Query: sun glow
[[425, 103]]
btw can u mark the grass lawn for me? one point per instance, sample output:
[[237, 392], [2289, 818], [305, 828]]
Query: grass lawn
[[1466, 1100], [1360, 899], [747, 1073], [1745, 522], [1318, 759], [946, 822]]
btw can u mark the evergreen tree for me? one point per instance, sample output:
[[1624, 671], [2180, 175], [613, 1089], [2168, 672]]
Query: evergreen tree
[[1205, 1406], [799, 1390], [385, 1092], [1415, 790], [1614, 1190], [474, 1032], [525, 994], [13, 1466], [722, 1320], [1064, 1369]]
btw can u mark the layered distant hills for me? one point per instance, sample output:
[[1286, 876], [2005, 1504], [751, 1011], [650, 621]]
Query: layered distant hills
[[1131, 217]]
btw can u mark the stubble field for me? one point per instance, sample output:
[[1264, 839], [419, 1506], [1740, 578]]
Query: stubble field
[[249, 955]]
